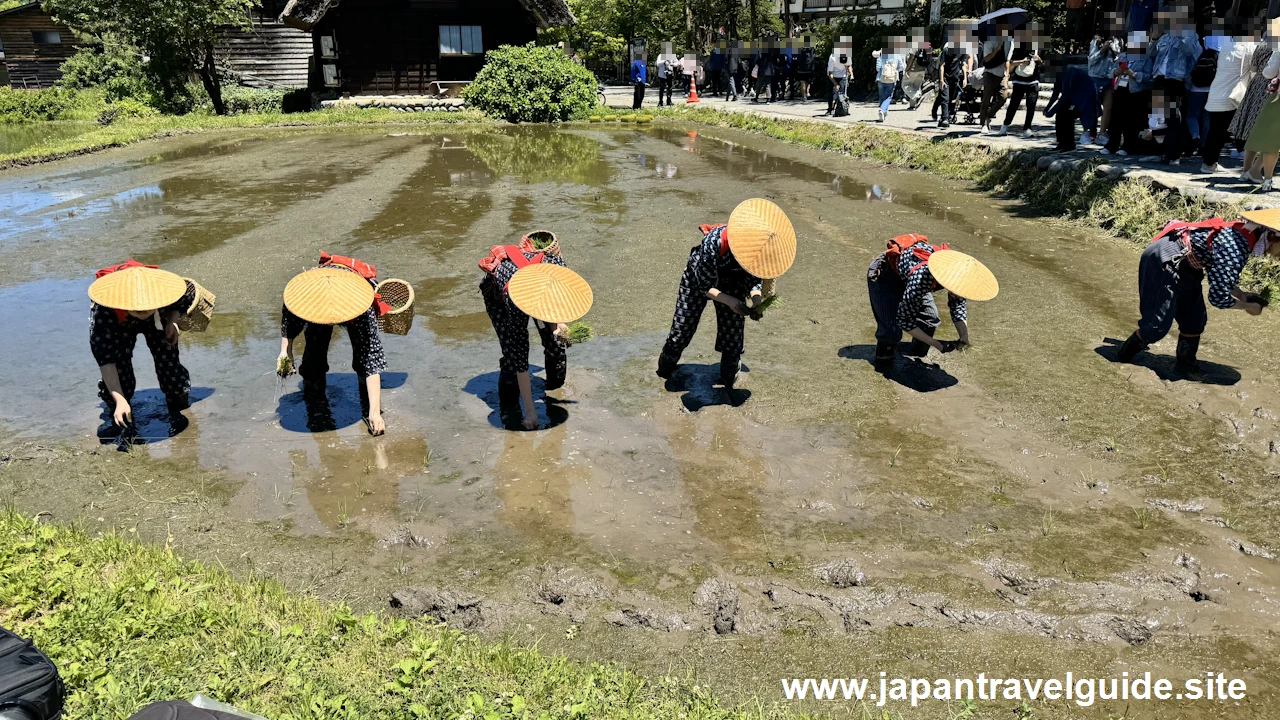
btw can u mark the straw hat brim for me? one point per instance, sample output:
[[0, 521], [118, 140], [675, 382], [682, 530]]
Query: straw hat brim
[[963, 275], [550, 293], [137, 289], [328, 296], [762, 239], [1269, 219]]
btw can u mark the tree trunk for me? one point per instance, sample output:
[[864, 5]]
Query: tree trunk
[[212, 85]]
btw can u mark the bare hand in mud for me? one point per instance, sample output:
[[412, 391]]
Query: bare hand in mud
[[530, 422], [123, 414], [1253, 308], [377, 425]]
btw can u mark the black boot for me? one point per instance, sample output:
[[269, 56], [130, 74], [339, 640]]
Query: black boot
[[508, 389], [667, 364], [1186, 357], [177, 403], [885, 352], [1130, 349], [729, 365]]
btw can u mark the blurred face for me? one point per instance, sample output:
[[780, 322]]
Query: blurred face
[[142, 314]]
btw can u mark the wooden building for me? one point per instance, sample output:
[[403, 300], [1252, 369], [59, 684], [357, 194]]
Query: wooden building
[[34, 45], [269, 54], [403, 46]]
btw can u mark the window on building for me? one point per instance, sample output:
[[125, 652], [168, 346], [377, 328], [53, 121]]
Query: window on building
[[460, 40], [46, 37]]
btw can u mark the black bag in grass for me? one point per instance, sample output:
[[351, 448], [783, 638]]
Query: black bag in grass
[[30, 687], [183, 710]]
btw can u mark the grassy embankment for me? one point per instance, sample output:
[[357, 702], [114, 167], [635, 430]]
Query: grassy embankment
[[126, 132], [1129, 208], [129, 624]]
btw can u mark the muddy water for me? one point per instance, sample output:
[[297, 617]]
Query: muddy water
[[1026, 505]]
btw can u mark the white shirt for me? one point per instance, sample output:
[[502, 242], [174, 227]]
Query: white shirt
[[835, 68], [1235, 70]]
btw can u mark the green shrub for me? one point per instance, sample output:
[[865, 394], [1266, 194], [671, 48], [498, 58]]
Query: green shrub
[[532, 84], [18, 106], [241, 100], [125, 109]]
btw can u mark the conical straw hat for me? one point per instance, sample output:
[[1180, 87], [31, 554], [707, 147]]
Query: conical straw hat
[[328, 296], [550, 293], [1266, 218], [761, 238], [963, 275], [137, 288]]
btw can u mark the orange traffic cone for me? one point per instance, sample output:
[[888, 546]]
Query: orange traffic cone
[[693, 90]]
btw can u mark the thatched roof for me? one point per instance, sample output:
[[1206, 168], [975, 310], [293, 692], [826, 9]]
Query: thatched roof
[[305, 14]]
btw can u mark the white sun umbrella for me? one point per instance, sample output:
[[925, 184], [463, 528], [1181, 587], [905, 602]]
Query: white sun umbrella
[[1013, 16]]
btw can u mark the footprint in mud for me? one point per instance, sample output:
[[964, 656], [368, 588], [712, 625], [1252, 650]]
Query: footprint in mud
[[1211, 373], [910, 372], [507, 413], [702, 388]]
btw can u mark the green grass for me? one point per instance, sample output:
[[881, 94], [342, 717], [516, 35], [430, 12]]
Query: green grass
[[129, 624], [1129, 208], [127, 132]]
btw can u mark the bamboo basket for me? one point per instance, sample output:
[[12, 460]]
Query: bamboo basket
[[399, 295], [551, 249], [197, 318]]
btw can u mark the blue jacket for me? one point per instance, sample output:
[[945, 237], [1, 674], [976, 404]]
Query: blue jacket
[[1140, 64], [1174, 55], [888, 59], [638, 72], [1074, 88]]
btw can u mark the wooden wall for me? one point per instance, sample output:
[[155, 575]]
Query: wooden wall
[[393, 46], [270, 55], [37, 65]]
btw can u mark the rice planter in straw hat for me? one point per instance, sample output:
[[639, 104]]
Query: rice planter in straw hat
[[328, 296], [963, 275], [1269, 219], [550, 293], [761, 238], [137, 289]]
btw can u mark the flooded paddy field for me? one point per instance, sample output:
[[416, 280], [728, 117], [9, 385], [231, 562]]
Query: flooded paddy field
[[1026, 507]]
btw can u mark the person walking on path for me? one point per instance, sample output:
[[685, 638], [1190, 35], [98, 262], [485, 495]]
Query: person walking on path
[[734, 266], [638, 74], [132, 299], [1172, 271], [901, 282], [995, 55], [1024, 72], [1230, 84], [764, 74], [890, 65], [338, 292], [803, 71], [953, 71], [839, 72], [1130, 99], [523, 281]]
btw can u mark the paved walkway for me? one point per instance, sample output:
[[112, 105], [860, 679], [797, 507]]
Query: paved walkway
[[1185, 178]]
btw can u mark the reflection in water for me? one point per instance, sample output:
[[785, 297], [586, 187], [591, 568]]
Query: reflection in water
[[543, 155], [356, 481], [534, 482], [722, 478]]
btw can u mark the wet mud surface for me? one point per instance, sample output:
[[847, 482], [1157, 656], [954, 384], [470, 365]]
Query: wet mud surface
[[1026, 506]]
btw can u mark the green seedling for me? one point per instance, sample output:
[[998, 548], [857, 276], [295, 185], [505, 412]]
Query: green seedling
[[578, 332], [1143, 516], [284, 367]]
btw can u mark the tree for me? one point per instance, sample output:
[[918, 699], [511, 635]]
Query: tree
[[176, 35]]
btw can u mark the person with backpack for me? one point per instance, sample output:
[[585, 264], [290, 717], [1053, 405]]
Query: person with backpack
[[890, 65], [339, 291], [764, 74], [839, 73], [901, 282], [735, 267], [530, 280], [1172, 271], [132, 299], [1024, 72], [803, 72], [995, 54]]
